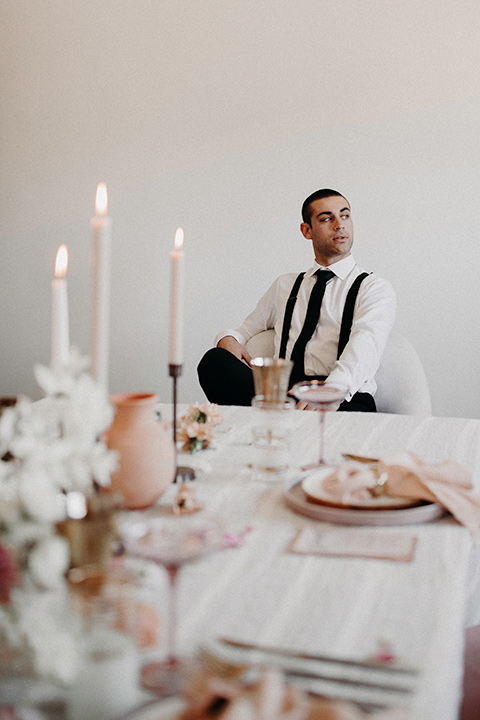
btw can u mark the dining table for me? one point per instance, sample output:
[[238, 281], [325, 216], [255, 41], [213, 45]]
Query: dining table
[[370, 613], [340, 605]]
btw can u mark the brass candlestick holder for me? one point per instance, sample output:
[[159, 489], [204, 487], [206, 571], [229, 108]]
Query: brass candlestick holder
[[183, 472]]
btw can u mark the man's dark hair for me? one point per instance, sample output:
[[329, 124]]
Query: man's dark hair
[[318, 195]]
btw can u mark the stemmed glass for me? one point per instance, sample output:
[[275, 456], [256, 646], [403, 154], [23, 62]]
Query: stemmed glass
[[323, 396], [170, 541]]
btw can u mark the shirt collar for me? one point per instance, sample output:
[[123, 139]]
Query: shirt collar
[[341, 268]]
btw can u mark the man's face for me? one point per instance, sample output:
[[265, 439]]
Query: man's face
[[330, 229]]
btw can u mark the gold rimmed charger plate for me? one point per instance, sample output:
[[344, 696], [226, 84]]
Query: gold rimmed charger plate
[[313, 487], [296, 499]]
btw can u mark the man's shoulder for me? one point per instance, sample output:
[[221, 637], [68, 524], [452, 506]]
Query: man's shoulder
[[291, 275], [286, 280], [356, 269], [374, 283], [372, 276]]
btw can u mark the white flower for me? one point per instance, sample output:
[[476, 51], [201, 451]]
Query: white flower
[[25, 533], [55, 652], [77, 472], [52, 446], [61, 380], [48, 561], [41, 500], [9, 628], [8, 420], [103, 463], [9, 506], [51, 640]]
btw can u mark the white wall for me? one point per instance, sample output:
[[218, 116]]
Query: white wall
[[222, 116]]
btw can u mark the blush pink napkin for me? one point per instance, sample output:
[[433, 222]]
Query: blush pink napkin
[[448, 484], [268, 699]]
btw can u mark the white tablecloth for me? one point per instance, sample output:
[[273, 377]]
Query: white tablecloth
[[262, 593]]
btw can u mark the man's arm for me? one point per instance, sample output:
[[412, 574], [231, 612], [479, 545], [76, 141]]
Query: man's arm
[[262, 318], [372, 322], [228, 342]]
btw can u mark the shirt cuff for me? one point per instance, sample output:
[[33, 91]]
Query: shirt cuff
[[338, 378], [233, 333]]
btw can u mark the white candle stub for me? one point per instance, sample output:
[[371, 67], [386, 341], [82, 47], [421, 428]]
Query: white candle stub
[[176, 300], [60, 348], [107, 684]]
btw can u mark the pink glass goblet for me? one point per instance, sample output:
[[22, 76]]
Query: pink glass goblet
[[170, 541], [324, 397]]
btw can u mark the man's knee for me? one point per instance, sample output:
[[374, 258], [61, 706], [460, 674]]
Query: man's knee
[[224, 378], [213, 371], [212, 363]]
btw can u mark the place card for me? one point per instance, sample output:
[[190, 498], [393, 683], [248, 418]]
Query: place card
[[354, 542]]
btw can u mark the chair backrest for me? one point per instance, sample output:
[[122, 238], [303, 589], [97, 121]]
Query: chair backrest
[[262, 344], [402, 385], [401, 380]]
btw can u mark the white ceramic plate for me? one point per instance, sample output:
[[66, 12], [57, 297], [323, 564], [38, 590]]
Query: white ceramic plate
[[157, 710], [312, 485]]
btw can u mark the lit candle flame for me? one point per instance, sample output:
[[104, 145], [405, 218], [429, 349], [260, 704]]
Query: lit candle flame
[[61, 262], [101, 199], [178, 243]]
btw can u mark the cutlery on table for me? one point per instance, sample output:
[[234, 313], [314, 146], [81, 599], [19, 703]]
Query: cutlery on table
[[349, 662], [367, 696], [360, 458], [363, 682]]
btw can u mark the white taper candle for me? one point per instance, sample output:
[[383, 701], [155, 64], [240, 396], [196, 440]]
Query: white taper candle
[[101, 226], [60, 348], [176, 300]]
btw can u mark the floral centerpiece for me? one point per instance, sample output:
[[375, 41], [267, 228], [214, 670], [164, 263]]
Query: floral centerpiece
[[196, 426], [48, 449]]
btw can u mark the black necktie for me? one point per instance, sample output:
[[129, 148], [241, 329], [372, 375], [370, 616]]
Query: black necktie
[[311, 322]]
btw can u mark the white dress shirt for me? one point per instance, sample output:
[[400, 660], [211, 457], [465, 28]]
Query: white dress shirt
[[372, 321]]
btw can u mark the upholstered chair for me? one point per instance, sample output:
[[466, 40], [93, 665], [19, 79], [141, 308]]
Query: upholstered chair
[[401, 379]]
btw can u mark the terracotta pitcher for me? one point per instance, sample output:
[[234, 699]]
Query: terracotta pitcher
[[145, 447]]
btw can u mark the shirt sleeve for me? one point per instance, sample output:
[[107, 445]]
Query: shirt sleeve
[[262, 318], [373, 320]]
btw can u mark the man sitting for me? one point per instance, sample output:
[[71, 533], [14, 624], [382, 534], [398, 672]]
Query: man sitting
[[332, 321]]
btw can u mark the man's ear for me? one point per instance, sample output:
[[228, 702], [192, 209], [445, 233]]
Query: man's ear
[[306, 230]]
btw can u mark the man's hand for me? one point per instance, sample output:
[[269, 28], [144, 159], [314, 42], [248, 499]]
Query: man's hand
[[301, 405], [233, 346]]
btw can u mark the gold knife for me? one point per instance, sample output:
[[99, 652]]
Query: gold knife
[[360, 458]]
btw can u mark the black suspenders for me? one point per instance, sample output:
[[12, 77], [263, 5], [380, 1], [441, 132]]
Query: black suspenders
[[347, 317], [348, 310], [287, 320]]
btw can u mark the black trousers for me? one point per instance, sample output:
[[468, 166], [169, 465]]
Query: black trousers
[[226, 380]]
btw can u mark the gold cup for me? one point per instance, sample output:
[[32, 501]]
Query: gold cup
[[91, 529], [271, 377]]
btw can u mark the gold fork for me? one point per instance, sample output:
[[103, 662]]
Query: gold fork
[[221, 667]]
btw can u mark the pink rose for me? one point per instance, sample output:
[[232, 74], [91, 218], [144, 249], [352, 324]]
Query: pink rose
[[9, 575]]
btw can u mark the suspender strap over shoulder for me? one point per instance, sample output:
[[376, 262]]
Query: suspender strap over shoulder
[[347, 317], [287, 320], [348, 310]]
